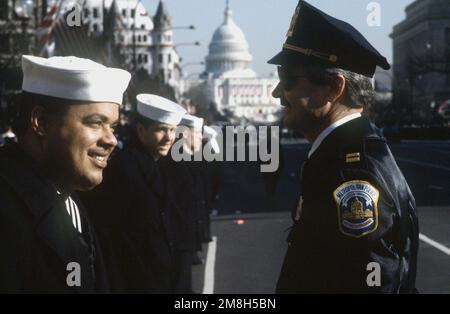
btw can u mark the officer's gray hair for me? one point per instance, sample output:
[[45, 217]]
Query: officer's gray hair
[[359, 89]]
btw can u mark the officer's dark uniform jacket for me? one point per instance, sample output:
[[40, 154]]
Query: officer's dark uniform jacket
[[329, 249], [131, 216], [37, 236]]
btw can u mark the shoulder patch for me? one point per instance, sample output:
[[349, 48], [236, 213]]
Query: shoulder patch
[[357, 206]]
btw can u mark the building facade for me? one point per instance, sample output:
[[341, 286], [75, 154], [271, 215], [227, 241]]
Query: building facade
[[422, 60], [166, 61], [145, 42]]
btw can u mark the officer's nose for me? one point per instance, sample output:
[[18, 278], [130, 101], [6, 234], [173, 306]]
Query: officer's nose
[[277, 92]]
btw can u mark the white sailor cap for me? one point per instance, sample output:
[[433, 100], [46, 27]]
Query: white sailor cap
[[159, 109], [192, 121], [73, 78]]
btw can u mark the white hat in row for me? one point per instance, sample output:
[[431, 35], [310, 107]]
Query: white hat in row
[[159, 109], [192, 121], [73, 78]]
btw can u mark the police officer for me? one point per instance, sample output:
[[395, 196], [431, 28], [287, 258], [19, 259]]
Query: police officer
[[69, 109], [355, 227], [135, 217]]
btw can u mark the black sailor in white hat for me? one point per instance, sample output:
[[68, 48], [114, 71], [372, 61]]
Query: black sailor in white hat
[[65, 125]]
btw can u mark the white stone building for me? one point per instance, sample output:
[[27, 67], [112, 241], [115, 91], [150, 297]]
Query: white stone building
[[232, 85], [166, 61], [145, 42]]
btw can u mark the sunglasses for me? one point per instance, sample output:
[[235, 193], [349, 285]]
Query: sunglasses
[[288, 80]]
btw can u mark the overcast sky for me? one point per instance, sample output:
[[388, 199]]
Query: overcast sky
[[265, 22]]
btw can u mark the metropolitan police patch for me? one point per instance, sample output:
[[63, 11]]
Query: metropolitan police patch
[[357, 208]]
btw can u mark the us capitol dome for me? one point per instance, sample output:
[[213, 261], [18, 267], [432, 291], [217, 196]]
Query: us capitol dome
[[230, 83], [228, 51]]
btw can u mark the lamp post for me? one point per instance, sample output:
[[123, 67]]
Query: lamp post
[[196, 43], [192, 27], [190, 64]]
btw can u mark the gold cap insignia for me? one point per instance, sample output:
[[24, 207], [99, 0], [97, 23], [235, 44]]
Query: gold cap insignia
[[352, 157]]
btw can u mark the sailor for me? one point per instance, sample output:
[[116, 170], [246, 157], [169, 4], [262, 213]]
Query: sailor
[[69, 109], [140, 228]]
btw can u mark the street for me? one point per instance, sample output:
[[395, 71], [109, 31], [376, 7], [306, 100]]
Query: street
[[251, 226]]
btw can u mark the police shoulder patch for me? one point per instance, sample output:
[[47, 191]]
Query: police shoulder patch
[[357, 206]]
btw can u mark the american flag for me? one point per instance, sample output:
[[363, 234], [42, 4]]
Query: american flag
[[45, 43], [55, 36]]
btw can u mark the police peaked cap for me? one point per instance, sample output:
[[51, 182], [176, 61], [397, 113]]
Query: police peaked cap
[[319, 39]]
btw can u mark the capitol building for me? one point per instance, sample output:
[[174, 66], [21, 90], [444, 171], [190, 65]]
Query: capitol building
[[231, 84]]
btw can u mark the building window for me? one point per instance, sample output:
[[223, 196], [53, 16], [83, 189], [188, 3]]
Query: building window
[[159, 38], [145, 58], [95, 13], [86, 13], [170, 58], [143, 26], [139, 58], [161, 74], [95, 27], [169, 75], [132, 13], [161, 58], [139, 38], [124, 12], [144, 38]]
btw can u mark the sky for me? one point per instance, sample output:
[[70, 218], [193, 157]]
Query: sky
[[265, 23]]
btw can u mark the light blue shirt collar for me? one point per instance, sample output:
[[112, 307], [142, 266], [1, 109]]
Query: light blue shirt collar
[[330, 129]]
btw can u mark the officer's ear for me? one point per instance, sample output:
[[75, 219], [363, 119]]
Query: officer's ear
[[337, 88], [39, 120]]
